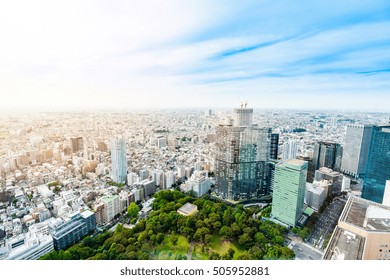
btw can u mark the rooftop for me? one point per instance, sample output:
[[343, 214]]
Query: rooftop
[[187, 209], [344, 245], [370, 216]]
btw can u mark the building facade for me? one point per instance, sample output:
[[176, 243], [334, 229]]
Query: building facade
[[72, 229], [355, 150], [378, 164], [242, 153], [327, 154], [362, 232], [289, 191], [111, 207], [118, 160]]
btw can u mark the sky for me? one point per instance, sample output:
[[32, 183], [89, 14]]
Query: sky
[[327, 54]]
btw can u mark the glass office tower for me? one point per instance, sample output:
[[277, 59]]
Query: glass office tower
[[242, 152], [378, 164], [289, 191]]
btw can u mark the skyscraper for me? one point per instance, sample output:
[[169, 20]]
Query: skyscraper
[[355, 150], [118, 160], [242, 157], [327, 154], [378, 164], [289, 191], [274, 146], [290, 150]]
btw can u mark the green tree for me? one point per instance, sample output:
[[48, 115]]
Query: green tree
[[132, 210]]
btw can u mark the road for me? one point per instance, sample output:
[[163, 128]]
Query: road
[[305, 252], [326, 223]]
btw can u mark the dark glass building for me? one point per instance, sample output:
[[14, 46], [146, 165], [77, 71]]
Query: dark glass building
[[327, 154], [73, 229], [242, 153], [378, 164], [274, 146]]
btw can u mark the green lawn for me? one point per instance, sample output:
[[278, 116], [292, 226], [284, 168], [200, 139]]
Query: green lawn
[[166, 251], [217, 245], [169, 252]]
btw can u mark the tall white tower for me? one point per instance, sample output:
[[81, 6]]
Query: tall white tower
[[118, 160]]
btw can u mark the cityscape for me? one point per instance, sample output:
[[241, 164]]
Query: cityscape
[[195, 130], [321, 178]]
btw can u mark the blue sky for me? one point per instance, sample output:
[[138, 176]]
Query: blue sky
[[127, 54]]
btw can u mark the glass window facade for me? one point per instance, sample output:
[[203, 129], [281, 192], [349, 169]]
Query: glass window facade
[[378, 164]]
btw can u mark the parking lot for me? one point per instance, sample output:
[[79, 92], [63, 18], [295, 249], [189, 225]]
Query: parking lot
[[326, 223]]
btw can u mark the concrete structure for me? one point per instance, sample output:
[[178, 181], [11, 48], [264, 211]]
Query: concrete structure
[[170, 179], [355, 149], [289, 191], [28, 246], [111, 207], [118, 160], [315, 195], [362, 233], [199, 183], [334, 178], [188, 209], [378, 162]]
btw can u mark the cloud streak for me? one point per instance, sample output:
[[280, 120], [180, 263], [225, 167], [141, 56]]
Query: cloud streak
[[164, 53]]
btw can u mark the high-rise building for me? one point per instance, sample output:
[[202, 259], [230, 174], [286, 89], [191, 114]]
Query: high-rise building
[[378, 164], [355, 150], [327, 154], [170, 179], [243, 116], [289, 191], [242, 157], [290, 150], [274, 146], [77, 144], [118, 160]]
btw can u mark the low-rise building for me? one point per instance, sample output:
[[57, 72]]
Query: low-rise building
[[362, 232]]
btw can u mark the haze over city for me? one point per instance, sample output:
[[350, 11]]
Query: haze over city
[[136, 54]]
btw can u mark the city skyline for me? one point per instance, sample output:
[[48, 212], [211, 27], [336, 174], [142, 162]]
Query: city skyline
[[171, 54]]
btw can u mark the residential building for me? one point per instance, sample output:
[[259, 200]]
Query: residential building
[[111, 207]]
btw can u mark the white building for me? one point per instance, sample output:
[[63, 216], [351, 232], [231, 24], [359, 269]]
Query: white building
[[170, 179], [290, 150], [28, 246], [315, 195], [118, 160], [111, 207]]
